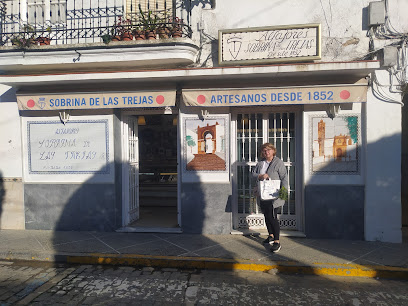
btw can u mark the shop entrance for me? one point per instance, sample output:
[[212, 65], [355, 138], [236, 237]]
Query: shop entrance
[[151, 202], [251, 131]]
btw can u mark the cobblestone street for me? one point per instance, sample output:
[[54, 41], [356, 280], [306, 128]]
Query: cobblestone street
[[43, 284]]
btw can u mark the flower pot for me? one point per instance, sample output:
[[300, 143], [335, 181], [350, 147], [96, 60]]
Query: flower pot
[[177, 34], [151, 35], [139, 35], [127, 36], [43, 41], [163, 34], [116, 38]]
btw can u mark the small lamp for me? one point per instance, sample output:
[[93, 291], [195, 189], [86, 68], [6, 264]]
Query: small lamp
[[141, 120]]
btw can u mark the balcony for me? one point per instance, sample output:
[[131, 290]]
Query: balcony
[[49, 35]]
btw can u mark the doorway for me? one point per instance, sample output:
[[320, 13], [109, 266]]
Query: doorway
[[252, 129], [152, 186]]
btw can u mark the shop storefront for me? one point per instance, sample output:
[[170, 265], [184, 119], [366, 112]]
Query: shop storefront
[[165, 148], [162, 161]]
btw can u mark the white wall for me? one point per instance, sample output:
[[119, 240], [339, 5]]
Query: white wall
[[343, 23], [383, 170], [11, 201], [343, 31], [10, 135]]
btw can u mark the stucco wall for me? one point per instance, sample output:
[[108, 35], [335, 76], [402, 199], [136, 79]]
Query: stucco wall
[[383, 170], [11, 186], [10, 135], [343, 29], [11, 204], [344, 23]]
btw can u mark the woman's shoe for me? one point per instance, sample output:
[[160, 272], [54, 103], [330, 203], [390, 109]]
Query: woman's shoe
[[276, 247], [268, 240]]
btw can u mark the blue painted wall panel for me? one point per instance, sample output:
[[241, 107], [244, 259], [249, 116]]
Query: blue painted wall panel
[[206, 208], [334, 212], [71, 207]]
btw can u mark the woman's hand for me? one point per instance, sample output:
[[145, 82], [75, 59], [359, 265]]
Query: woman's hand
[[262, 177]]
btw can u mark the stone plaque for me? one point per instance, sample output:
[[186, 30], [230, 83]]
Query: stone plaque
[[270, 44]]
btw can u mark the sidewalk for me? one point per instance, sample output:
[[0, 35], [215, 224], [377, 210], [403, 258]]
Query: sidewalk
[[298, 255]]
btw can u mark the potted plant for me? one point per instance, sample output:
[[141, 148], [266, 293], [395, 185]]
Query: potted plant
[[163, 31], [121, 30], [107, 38], [45, 40], [149, 21], [139, 33], [26, 38], [127, 30], [176, 27]]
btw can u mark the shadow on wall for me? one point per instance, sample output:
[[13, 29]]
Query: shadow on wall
[[88, 206], [202, 3], [2, 195], [334, 211], [338, 211], [331, 210], [404, 166], [205, 205], [95, 206]]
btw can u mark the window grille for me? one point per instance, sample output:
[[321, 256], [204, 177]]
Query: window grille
[[252, 130]]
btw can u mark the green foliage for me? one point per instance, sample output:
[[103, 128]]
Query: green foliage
[[149, 20], [190, 141], [283, 194], [26, 38], [106, 38], [352, 125]]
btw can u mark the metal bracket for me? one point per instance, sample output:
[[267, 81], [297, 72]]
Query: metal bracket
[[333, 110], [64, 116]]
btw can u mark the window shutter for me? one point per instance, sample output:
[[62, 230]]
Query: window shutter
[[160, 6], [58, 11], [38, 10], [35, 12]]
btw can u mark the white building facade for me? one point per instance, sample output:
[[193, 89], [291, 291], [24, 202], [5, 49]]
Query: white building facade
[[105, 129]]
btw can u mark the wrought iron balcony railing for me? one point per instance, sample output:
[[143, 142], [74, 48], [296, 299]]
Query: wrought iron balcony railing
[[61, 22]]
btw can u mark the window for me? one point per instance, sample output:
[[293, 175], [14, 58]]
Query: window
[[163, 8], [41, 12]]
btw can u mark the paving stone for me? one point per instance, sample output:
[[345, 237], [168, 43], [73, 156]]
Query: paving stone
[[60, 292], [195, 278], [179, 276], [169, 269], [89, 300], [148, 269]]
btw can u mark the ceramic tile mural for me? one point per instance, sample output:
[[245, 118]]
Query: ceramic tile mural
[[335, 145], [206, 144]]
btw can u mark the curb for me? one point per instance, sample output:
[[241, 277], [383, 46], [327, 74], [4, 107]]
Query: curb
[[289, 267], [243, 265]]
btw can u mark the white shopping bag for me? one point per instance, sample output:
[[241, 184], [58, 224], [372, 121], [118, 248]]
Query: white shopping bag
[[269, 189]]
